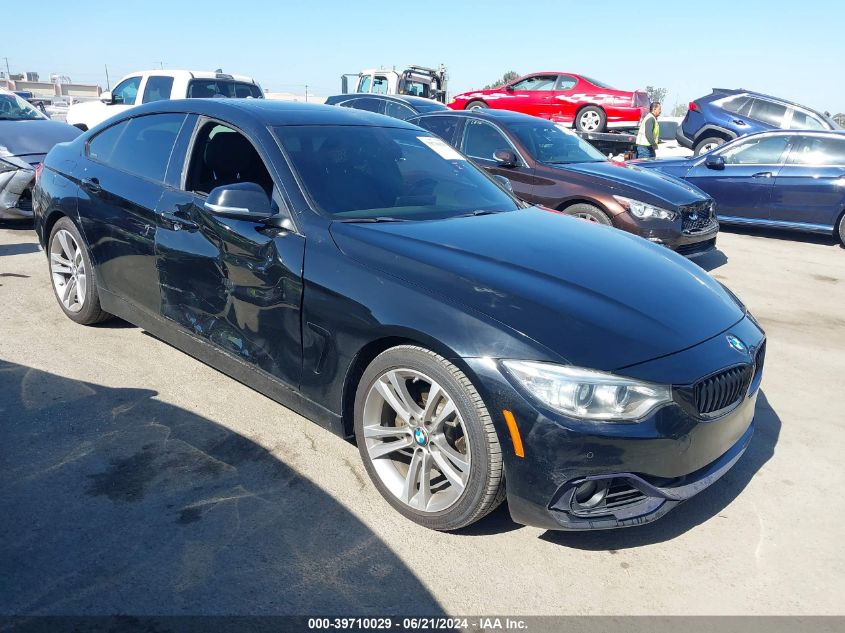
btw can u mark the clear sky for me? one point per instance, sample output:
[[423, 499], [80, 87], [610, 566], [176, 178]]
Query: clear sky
[[795, 50]]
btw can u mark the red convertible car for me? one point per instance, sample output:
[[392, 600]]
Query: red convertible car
[[589, 105]]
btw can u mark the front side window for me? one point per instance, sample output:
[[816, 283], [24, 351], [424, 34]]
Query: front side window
[[443, 126], [756, 151], [398, 110], [357, 172], [380, 85], [482, 140], [126, 91], [158, 88], [805, 121], [223, 156], [817, 150], [13, 108], [537, 82], [550, 144], [143, 146], [768, 112]]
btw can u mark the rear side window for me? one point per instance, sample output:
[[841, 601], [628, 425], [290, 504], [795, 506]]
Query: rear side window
[[368, 104], [144, 145], [216, 88], [158, 88], [243, 91], [756, 151], [566, 82], [443, 126], [814, 150], [768, 112], [100, 147]]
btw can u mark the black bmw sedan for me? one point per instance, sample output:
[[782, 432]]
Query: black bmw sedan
[[359, 270]]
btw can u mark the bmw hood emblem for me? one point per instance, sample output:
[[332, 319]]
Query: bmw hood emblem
[[737, 344], [420, 437]]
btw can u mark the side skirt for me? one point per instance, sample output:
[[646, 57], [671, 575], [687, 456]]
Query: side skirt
[[207, 353]]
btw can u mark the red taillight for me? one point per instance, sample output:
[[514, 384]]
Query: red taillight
[[693, 106], [38, 169]]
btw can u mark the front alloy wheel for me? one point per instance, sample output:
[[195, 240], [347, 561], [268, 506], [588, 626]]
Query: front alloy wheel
[[427, 440]]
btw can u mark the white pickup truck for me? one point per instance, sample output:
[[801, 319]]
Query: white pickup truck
[[154, 85]]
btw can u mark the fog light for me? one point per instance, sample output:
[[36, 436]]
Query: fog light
[[590, 494]]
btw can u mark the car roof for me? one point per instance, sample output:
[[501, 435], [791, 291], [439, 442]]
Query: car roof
[[269, 112], [726, 92], [193, 74], [487, 114], [409, 99]]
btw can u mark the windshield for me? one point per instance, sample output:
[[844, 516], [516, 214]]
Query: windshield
[[387, 174], [13, 108], [598, 83], [549, 144]]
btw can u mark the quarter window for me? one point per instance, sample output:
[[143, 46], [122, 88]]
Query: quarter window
[[756, 151], [144, 145], [815, 150], [482, 140], [158, 88], [100, 147], [126, 91]]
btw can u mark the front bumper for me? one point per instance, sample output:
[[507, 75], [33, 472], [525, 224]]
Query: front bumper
[[671, 234], [15, 197], [647, 467]]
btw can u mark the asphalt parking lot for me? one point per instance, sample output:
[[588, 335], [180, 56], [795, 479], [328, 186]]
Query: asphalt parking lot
[[134, 479]]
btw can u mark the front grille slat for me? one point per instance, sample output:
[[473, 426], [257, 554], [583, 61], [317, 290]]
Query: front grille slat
[[722, 390]]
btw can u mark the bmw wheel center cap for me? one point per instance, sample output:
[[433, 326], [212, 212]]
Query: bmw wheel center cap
[[420, 436]]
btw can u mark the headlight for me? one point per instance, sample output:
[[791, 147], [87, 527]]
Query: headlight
[[645, 211], [587, 394]]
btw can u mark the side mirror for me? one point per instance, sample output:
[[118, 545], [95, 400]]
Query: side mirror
[[714, 162], [506, 183], [505, 158], [509, 88], [240, 201], [106, 97]]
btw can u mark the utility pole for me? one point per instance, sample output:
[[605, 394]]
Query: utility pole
[[108, 86], [8, 72], [306, 93], [161, 65]]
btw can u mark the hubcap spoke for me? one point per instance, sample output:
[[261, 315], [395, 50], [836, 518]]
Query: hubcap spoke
[[423, 496], [455, 477], [70, 286], [457, 459], [435, 394], [385, 448], [67, 264], [444, 413], [67, 249], [409, 490], [386, 431]]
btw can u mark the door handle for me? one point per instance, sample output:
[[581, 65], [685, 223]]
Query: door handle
[[92, 184], [762, 174], [739, 122], [177, 221]]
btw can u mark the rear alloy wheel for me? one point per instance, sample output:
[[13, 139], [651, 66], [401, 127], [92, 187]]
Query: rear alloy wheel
[[842, 229], [476, 105], [708, 144], [589, 213], [591, 119], [426, 439], [73, 274]]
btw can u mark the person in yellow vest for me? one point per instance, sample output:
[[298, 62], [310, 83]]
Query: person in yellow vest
[[649, 132]]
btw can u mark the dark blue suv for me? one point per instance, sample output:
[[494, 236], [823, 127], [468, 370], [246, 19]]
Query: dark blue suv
[[724, 115]]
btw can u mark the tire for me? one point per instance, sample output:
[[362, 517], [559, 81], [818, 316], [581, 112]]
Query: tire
[[591, 119], [70, 269], [589, 213], [476, 105], [466, 432], [708, 144], [842, 229]]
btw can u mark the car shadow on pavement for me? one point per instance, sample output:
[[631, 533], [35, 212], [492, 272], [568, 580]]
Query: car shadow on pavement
[[17, 225], [114, 502], [18, 249], [710, 260], [704, 506], [783, 234]]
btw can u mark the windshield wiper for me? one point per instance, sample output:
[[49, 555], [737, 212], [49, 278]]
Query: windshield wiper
[[372, 220], [477, 212]]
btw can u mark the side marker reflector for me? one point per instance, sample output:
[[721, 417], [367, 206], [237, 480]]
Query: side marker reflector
[[516, 438]]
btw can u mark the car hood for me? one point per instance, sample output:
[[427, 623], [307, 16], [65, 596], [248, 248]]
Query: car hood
[[596, 296], [25, 138], [630, 179]]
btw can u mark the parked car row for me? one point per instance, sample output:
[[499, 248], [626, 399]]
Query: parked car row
[[364, 272]]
